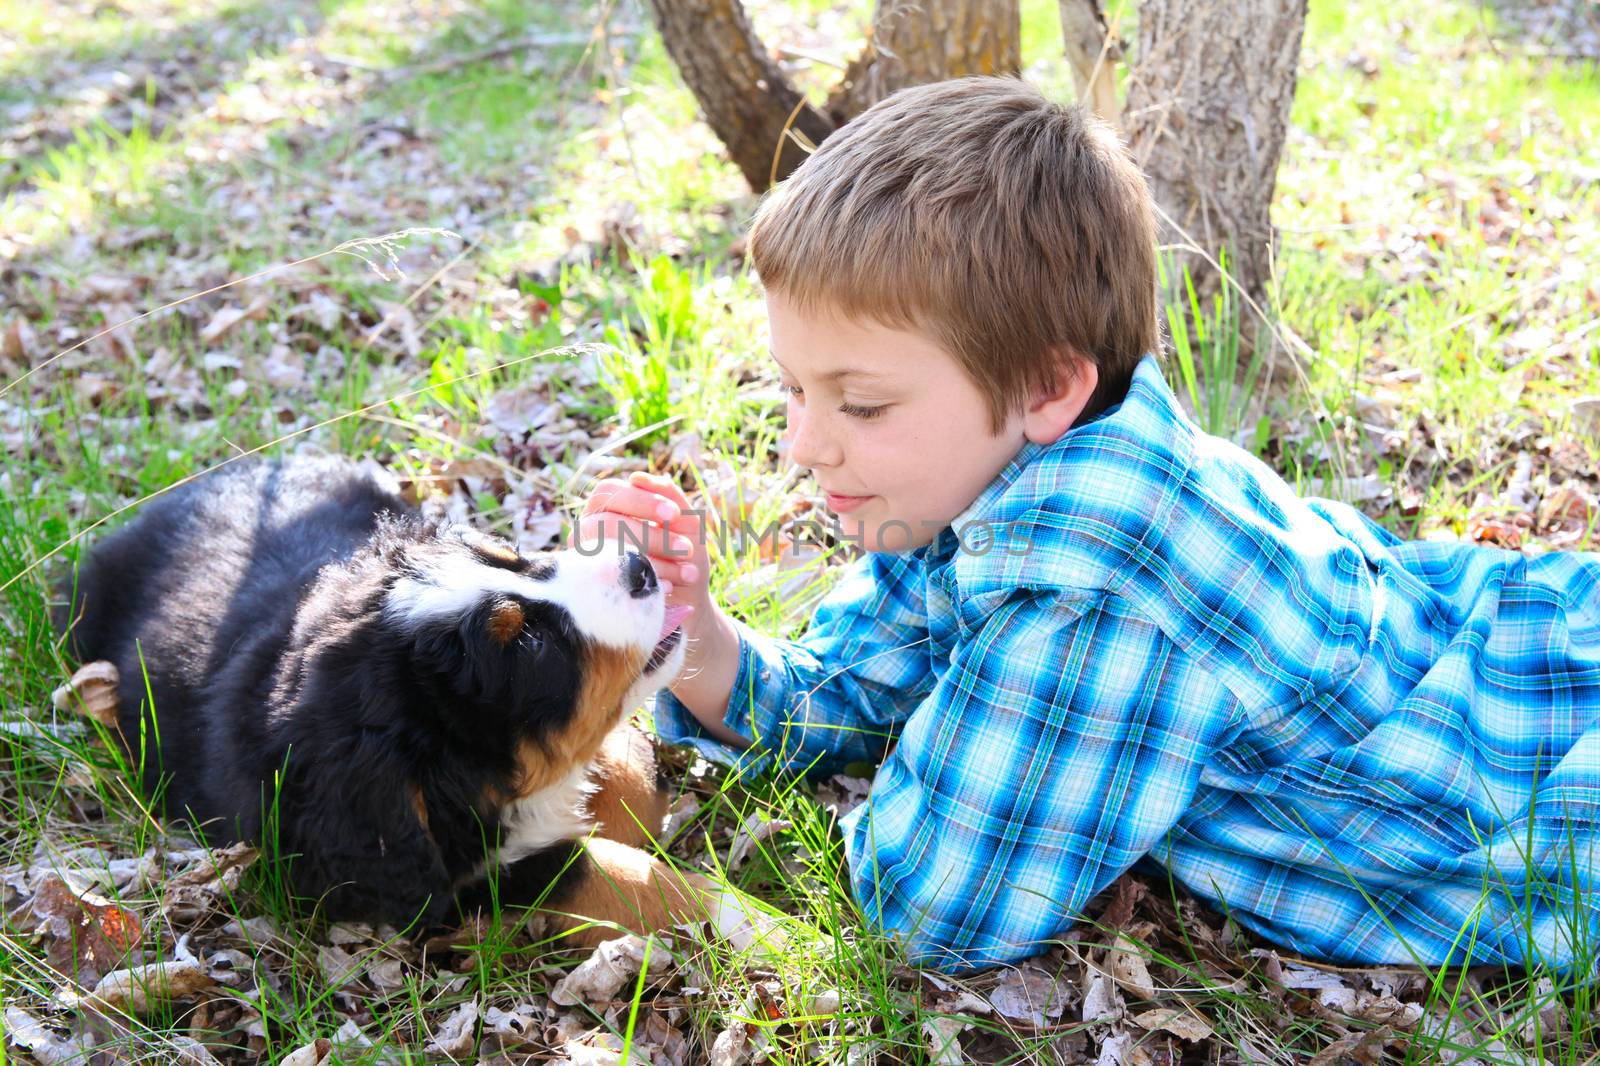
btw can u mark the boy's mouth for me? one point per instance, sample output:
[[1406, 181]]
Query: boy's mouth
[[844, 503]]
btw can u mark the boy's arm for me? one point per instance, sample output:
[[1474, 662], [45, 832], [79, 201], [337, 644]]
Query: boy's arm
[[836, 695], [1065, 740]]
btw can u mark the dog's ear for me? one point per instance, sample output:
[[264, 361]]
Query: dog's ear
[[501, 650]]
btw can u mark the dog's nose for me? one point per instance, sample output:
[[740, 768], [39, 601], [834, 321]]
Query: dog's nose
[[638, 576]]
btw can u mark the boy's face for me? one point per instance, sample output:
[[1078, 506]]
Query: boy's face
[[909, 431]]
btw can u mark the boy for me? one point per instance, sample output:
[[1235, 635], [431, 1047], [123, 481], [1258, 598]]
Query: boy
[[1099, 635]]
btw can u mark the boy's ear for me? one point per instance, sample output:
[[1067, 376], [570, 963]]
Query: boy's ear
[[1053, 411]]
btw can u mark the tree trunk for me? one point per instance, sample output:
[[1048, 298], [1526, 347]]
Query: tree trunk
[[1208, 105], [744, 96], [1092, 52], [915, 42], [750, 105]]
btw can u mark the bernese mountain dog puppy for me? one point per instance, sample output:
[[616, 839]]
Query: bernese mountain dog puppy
[[411, 713]]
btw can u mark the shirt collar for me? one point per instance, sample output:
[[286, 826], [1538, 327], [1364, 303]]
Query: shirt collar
[[944, 544]]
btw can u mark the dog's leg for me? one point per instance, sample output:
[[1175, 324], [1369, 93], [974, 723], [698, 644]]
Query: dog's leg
[[611, 884], [631, 802]]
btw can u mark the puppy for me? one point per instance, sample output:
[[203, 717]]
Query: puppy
[[412, 714]]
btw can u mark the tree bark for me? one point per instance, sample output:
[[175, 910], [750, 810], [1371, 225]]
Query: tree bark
[[915, 42], [745, 98], [1207, 109], [750, 105], [1093, 52]]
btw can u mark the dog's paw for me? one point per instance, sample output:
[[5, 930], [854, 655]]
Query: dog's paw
[[749, 926]]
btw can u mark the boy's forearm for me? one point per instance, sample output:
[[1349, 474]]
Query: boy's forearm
[[706, 681]]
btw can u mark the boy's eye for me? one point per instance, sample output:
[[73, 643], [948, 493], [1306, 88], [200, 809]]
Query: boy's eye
[[850, 409]]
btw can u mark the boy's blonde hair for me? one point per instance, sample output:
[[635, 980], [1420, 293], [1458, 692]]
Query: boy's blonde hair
[[1013, 231]]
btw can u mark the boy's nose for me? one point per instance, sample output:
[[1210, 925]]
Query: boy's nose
[[807, 447]]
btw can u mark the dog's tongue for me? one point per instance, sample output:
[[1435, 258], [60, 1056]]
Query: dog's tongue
[[675, 615]]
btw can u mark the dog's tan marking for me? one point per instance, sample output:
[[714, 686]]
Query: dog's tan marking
[[492, 549], [505, 622], [419, 805], [623, 886], [628, 804], [500, 553], [608, 674]]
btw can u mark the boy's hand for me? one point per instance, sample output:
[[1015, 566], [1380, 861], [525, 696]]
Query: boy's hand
[[652, 510]]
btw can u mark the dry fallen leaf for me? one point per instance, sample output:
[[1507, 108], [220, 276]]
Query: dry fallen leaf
[[87, 934], [319, 309], [1102, 1001], [108, 287], [1119, 1049], [284, 368], [455, 1036], [1028, 995], [16, 346], [732, 1046], [92, 692], [944, 1040], [208, 884], [337, 965], [42, 1042], [519, 1025], [190, 1052], [228, 317], [315, 1053], [595, 1049], [91, 389], [1586, 415], [398, 317], [139, 988], [1178, 1021], [1126, 962], [229, 966], [842, 793], [387, 974], [752, 831], [671, 1046], [1494, 533], [521, 409], [350, 1035], [682, 813], [221, 322], [1126, 893], [613, 964], [1365, 1046]]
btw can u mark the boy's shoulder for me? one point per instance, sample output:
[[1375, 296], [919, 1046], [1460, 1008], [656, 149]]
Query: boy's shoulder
[[1184, 529], [1075, 513]]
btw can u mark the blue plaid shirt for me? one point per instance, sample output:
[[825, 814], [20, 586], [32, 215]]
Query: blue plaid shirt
[[1141, 643]]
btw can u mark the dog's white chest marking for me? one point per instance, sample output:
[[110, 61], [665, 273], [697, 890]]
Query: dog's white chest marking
[[553, 814]]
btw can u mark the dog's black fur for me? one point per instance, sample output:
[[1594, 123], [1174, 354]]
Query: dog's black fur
[[259, 674]]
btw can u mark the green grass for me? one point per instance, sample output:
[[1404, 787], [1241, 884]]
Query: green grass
[[1408, 158], [559, 137]]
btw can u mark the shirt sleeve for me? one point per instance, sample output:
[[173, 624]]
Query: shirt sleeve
[[837, 695], [1065, 741]]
